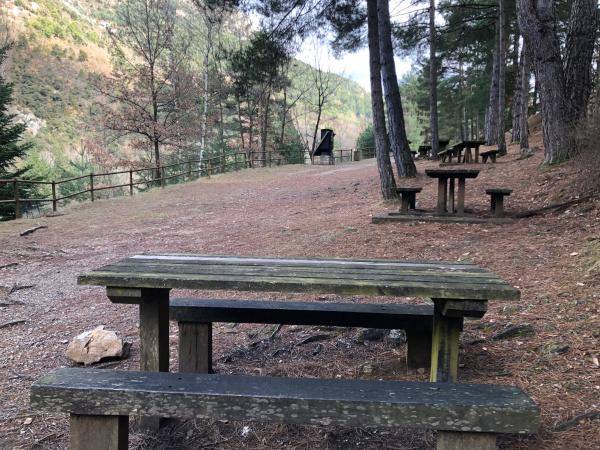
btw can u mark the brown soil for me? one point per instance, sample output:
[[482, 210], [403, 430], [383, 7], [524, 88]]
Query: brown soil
[[315, 211]]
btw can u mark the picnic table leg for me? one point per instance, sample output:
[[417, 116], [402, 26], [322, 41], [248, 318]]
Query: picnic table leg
[[154, 339], [444, 345], [451, 197], [477, 154], [461, 196], [442, 193]]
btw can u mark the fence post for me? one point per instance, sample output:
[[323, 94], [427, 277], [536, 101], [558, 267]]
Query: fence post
[[92, 186], [54, 196], [245, 161], [270, 158], [189, 170], [162, 176], [130, 182], [18, 214], [208, 169]]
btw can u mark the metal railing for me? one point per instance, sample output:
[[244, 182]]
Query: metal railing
[[152, 176]]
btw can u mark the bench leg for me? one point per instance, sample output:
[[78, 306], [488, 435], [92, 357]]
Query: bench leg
[[499, 206], [444, 345], [456, 440], [99, 432], [195, 347], [493, 203], [493, 158], [418, 350], [404, 203], [484, 158], [477, 154], [413, 201]]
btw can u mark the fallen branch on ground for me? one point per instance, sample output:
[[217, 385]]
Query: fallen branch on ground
[[5, 266], [31, 230], [534, 212], [18, 287], [12, 322]]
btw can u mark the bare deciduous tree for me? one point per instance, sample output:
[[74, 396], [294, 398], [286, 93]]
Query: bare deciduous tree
[[149, 93]]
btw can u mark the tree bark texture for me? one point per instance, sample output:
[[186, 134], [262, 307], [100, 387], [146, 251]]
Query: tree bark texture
[[205, 93], [517, 99], [525, 76], [433, 112], [491, 114], [396, 126], [538, 26], [501, 77], [579, 52], [382, 146]]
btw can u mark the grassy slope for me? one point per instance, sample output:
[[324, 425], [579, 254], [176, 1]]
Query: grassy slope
[[61, 42]]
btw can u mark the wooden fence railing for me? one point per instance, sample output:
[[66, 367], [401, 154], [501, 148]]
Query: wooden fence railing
[[150, 176]]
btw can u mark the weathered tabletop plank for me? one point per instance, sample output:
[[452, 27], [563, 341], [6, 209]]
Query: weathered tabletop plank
[[337, 276]]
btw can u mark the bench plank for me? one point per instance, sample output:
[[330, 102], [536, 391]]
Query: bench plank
[[349, 403], [195, 316], [388, 316]]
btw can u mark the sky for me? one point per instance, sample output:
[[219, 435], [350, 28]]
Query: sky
[[355, 66]]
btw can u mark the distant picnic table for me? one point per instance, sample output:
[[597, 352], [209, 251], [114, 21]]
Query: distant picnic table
[[425, 149], [456, 150], [446, 188]]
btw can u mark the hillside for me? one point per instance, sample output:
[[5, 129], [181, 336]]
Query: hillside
[[61, 44]]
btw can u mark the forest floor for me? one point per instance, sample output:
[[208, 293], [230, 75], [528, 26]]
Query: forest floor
[[320, 211]]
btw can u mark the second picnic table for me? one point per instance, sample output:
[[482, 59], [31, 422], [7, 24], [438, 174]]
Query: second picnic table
[[457, 290], [446, 188]]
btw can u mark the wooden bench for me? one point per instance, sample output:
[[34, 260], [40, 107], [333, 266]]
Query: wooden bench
[[195, 318], [468, 416], [491, 154], [408, 197], [497, 200]]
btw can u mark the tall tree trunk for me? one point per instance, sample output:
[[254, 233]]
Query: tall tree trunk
[[433, 111], [579, 52], [205, 94], [525, 63], [464, 127], [517, 99], [491, 114], [538, 26], [397, 128], [265, 125], [501, 78], [382, 146]]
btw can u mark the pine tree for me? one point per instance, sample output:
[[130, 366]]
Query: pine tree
[[11, 147]]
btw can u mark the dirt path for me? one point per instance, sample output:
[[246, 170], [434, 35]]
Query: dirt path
[[313, 211]]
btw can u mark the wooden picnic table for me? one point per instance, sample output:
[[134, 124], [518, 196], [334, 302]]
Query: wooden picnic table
[[458, 290], [446, 186], [467, 146], [425, 149]]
